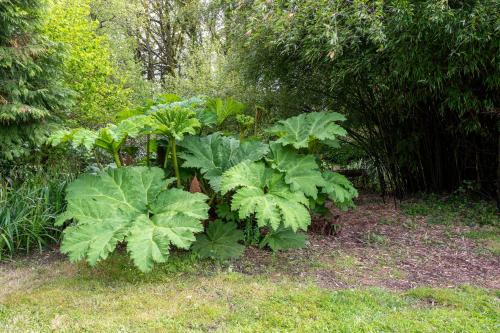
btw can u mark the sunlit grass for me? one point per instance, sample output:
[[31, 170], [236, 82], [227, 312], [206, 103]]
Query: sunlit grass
[[184, 296]]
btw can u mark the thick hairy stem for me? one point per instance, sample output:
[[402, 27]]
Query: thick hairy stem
[[116, 157], [176, 166]]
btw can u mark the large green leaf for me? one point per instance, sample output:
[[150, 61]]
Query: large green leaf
[[109, 138], [198, 105], [220, 241], [283, 239], [130, 204], [174, 121], [215, 153], [77, 137], [263, 192], [300, 130], [224, 108], [301, 171], [339, 189], [147, 244], [92, 241]]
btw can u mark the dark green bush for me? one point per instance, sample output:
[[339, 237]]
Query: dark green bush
[[418, 80]]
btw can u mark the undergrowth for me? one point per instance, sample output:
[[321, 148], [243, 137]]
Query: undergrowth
[[454, 209], [27, 212]]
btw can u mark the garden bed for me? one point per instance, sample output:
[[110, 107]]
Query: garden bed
[[383, 271]]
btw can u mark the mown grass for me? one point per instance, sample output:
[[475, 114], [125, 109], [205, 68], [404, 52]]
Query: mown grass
[[183, 296]]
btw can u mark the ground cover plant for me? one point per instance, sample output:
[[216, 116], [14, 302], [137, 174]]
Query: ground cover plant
[[270, 185], [451, 208]]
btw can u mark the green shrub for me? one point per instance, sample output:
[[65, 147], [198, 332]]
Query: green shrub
[[266, 188], [418, 79], [133, 205]]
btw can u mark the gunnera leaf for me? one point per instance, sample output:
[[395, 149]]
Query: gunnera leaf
[[220, 241], [300, 130], [262, 191], [301, 172], [283, 239], [339, 189], [133, 205], [214, 154]]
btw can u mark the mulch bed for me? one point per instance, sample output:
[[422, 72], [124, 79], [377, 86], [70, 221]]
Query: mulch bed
[[380, 246]]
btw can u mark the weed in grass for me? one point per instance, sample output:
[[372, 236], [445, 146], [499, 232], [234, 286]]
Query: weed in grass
[[375, 239]]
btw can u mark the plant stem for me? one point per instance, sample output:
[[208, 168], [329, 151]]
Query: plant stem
[[97, 158], [165, 161], [148, 148], [176, 166], [212, 198], [116, 157]]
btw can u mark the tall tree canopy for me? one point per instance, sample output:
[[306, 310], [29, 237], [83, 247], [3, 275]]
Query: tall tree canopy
[[88, 63], [31, 90], [169, 31]]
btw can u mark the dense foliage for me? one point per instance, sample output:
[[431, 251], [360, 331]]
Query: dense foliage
[[414, 86], [88, 65], [269, 185], [418, 80], [29, 207], [31, 90]]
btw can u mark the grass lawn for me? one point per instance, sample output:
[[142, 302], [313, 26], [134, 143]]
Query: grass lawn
[[183, 296]]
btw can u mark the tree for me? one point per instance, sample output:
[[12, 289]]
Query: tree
[[32, 94], [167, 30], [88, 66], [119, 21]]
